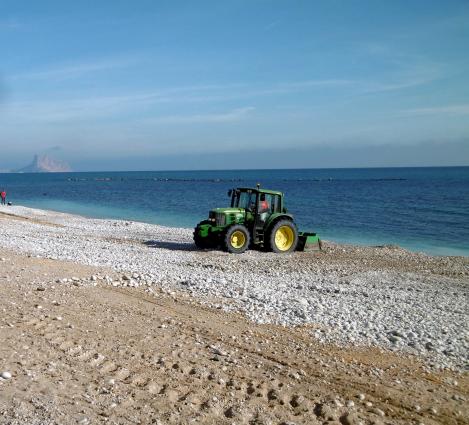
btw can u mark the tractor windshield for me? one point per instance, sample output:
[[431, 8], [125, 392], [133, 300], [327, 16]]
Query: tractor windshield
[[246, 200]]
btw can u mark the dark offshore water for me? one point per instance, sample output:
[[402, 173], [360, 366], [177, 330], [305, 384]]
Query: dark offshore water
[[422, 209]]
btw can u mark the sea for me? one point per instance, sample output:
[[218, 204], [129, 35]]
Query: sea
[[420, 209]]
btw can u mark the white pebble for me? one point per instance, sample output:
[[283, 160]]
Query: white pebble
[[5, 375]]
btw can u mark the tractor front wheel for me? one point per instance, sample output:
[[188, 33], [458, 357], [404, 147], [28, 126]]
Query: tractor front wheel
[[203, 243], [283, 237], [237, 239]]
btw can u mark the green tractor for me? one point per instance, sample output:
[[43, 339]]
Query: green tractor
[[256, 218]]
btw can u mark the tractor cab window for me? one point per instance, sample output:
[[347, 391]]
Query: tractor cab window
[[269, 203], [246, 200], [276, 207], [265, 203]]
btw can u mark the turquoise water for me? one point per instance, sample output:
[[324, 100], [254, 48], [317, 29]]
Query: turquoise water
[[422, 209]]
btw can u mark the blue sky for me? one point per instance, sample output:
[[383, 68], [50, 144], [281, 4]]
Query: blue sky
[[219, 84]]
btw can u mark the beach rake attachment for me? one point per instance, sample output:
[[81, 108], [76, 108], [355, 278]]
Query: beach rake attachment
[[308, 241]]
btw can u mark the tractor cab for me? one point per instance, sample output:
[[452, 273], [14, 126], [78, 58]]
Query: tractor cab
[[257, 201]]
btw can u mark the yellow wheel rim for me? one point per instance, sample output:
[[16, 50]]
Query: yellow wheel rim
[[284, 238], [238, 239]]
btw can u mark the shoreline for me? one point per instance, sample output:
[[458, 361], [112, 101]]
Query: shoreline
[[417, 248], [320, 289]]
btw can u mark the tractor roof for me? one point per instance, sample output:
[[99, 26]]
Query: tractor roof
[[252, 189]]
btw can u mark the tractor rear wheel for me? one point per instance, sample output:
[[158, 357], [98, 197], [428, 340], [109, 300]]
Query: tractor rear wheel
[[283, 237], [237, 239]]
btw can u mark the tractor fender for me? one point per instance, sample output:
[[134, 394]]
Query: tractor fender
[[204, 222], [274, 218]]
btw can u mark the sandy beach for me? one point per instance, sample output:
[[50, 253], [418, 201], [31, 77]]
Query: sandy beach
[[108, 321]]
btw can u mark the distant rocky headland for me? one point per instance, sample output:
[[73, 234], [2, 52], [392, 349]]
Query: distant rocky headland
[[45, 164]]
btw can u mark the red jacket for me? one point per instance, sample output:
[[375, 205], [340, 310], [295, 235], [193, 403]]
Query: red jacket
[[3, 194]]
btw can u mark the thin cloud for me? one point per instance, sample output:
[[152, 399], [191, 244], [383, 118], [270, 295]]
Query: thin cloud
[[396, 85], [407, 78], [73, 70], [100, 106], [452, 110], [63, 110], [406, 84], [403, 70], [240, 91], [244, 91], [97, 107], [233, 91], [225, 117], [68, 109], [316, 83]]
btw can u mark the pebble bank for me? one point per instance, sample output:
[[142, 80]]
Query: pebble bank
[[380, 296]]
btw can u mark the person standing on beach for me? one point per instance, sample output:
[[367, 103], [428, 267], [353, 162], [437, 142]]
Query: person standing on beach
[[3, 194]]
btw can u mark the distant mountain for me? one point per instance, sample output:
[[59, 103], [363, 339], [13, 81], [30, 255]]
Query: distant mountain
[[45, 164]]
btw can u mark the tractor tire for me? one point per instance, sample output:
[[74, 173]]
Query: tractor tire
[[202, 243], [283, 237], [237, 239]]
